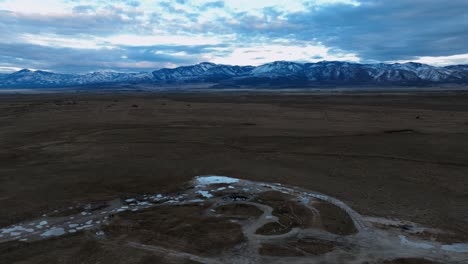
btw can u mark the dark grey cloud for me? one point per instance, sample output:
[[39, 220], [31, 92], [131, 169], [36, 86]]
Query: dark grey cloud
[[385, 30], [216, 4], [82, 21], [377, 30], [83, 9], [73, 60], [169, 7], [389, 30]]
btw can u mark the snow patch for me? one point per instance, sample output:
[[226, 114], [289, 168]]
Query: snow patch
[[458, 247], [207, 180], [84, 227], [405, 242], [196, 201], [205, 194], [56, 231], [15, 229]]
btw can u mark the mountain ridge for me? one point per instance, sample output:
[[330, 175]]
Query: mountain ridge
[[277, 73]]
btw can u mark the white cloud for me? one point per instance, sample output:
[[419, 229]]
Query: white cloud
[[114, 42], [86, 42], [34, 6], [331, 2], [252, 6], [9, 69], [441, 60], [135, 65], [257, 55], [139, 40]]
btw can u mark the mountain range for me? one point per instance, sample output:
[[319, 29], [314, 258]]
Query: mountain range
[[274, 74]]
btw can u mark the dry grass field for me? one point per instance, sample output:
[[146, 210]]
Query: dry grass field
[[399, 157]]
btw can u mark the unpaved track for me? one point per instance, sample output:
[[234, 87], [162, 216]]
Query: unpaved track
[[367, 244]]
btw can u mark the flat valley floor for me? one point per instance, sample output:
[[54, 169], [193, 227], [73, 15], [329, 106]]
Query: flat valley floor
[[397, 157]]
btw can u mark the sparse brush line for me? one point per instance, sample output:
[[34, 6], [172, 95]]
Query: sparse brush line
[[323, 154], [243, 149], [172, 253], [384, 157]]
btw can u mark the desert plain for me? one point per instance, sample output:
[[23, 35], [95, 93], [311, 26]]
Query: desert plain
[[398, 161]]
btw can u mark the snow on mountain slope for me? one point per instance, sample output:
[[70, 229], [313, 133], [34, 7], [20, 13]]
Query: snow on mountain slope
[[182, 73], [274, 73], [200, 72], [338, 71], [278, 68], [30, 78]]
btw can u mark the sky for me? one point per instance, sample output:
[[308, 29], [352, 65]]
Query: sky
[[79, 36]]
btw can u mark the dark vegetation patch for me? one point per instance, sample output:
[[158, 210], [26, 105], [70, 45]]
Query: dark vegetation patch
[[290, 213], [273, 228], [410, 261], [239, 210], [65, 102], [248, 124], [79, 249], [234, 197], [165, 259], [68, 249], [393, 131], [302, 247], [183, 228], [335, 220], [66, 212]]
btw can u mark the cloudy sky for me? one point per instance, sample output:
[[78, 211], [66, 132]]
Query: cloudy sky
[[141, 35]]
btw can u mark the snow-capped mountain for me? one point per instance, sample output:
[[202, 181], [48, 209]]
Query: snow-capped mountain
[[28, 78], [205, 71], [338, 72], [111, 77], [279, 73]]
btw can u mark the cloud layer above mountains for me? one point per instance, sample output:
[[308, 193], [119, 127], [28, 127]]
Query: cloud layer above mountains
[[141, 35]]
